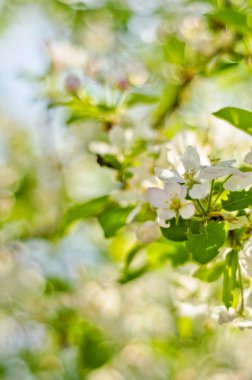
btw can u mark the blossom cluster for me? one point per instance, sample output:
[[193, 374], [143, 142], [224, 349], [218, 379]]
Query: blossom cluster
[[194, 184], [208, 208]]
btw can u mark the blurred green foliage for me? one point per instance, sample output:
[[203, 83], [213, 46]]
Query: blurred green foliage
[[75, 306]]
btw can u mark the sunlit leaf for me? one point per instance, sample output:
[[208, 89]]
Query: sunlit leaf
[[179, 232], [113, 218], [141, 98], [237, 200], [229, 278], [94, 349], [232, 18], [85, 210], [174, 50], [238, 117], [163, 250], [128, 275], [209, 273], [204, 246]]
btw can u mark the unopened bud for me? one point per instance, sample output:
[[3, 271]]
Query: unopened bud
[[148, 232], [72, 83]]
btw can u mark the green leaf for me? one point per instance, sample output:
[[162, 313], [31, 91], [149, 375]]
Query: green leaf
[[204, 246], [219, 64], [161, 251], [94, 349], [132, 253], [237, 200], [113, 218], [178, 232], [140, 98], [174, 50], [56, 284], [238, 117], [128, 275], [232, 18], [229, 278], [85, 210], [209, 273], [109, 161]]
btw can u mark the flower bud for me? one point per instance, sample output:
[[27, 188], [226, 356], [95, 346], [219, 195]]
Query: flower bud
[[72, 83], [148, 232]]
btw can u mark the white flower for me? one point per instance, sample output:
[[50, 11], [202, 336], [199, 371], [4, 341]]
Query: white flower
[[235, 222], [192, 166], [196, 176], [238, 182], [243, 323], [148, 232], [241, 180], [170, 203], [222, 315], [218, 169], [246, 257], [119, 141]]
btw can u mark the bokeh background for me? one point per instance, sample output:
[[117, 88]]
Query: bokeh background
[[63, 313]]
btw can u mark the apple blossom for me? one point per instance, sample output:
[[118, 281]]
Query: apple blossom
[[190, 175], [222, 315], [196, 176], [170, 203], [240, 181]]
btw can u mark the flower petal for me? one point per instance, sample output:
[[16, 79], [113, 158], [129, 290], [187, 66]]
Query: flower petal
[[163, 215], [238, 183], [212, 172], [187, 211], [199, 191], [237, 222], [248, 158], [156, 197], [168, 175], [228, 163], [175, 190], [191, 160]]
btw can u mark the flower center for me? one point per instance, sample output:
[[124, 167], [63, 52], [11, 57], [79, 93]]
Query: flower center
[[189, 175], [214, 160], [175, 204]]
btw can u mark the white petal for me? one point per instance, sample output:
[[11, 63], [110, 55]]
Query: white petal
[[222, 315], [175, 190], [117, 136], [156, 197], [163, 216], [199, 191], [148, 232], [238, 183], [191, 160], [248, 158], [237, 223], [161, 222], [169, 175], [243, 323], [187, 211], [212, 172], [226, 163]]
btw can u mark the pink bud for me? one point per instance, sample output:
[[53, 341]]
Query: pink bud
[[72, 83]]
